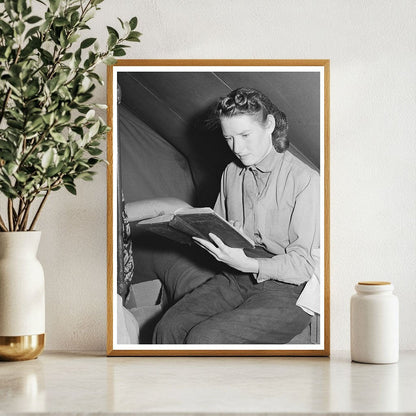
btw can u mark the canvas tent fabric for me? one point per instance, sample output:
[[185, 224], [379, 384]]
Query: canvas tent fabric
[[150, 166]]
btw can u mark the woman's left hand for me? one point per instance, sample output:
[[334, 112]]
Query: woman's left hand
[[233, 257]]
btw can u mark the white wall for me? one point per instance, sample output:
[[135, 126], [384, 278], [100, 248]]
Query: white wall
[[371, 45]]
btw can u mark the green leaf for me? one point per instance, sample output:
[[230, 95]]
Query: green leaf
[[67, 56], [60, 138], [78, 154], [63, 41], [96, 77], [121, 22], [70, 188], [11, 168], [112, 41], [16, 124], [35, 125], [54, 4], [20, 28], [32, 45], [73, 38], [74, 18], [31, 90], [80, 120], [133, 37], [90, 115], [53, 83], [110, 60], [112, 31], [47, 158], [67, 153], [21, 177], [4, 145], [94, 151], [133, 23], [94, 130], [61, 21], [48, 118], [8, 191], [77, 130], [46, 56], [21, 6], [82, 166], [92, 161], [89, 15], [5, 28], [31, 32], [87, 42], [119, 52], [33, 19], [10, 7], [64, 93], [86, 176], [83, 98], [52, 171], [85, 85], [8, 52], [27, 11]]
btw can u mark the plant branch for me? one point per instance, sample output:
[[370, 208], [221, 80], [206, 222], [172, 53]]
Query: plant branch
[[19, 215], [3, 107], [23, 214], [39, 210], [2, 224], [10, 213], [26, 216], [37, 144]]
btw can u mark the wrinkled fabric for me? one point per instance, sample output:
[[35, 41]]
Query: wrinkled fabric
[[286, 214]]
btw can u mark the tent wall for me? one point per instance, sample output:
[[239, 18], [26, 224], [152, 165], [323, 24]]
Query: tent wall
[[176, 106], [150, 166]]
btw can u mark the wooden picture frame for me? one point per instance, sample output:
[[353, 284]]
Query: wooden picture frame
[[154, 90]]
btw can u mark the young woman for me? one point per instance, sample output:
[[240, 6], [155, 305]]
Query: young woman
[[275, 198]]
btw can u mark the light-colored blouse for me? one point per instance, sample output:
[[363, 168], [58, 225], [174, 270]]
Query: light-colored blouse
[[285, 209]]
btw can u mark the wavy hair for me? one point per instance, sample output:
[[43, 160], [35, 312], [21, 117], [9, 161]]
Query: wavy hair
[[253, 102]]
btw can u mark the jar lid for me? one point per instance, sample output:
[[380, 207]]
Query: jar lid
[[374, 283], [372, 287]]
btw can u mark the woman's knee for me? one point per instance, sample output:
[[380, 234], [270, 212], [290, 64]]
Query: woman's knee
[[169, 330]]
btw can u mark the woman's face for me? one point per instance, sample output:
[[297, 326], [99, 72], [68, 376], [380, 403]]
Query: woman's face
[[248, 138]]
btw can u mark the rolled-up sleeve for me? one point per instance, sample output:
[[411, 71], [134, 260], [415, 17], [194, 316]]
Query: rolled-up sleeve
[[297, 264]]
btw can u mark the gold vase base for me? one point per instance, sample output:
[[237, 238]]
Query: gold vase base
[[20, 348]]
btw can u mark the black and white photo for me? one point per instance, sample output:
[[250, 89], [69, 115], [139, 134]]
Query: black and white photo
[[218, 208]]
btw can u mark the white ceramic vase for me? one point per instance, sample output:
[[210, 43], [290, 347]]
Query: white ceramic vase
[[22, 296]]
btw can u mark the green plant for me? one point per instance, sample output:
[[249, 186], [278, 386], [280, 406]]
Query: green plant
[[50, 134]]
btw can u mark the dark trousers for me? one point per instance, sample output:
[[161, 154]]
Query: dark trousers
[[228, 307]]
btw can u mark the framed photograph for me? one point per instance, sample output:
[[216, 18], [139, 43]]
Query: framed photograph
[[218, 208]]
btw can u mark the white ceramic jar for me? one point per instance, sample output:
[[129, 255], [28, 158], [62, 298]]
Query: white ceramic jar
[[374, 323]]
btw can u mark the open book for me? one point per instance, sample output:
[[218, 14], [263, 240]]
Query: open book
[[186, 223]]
